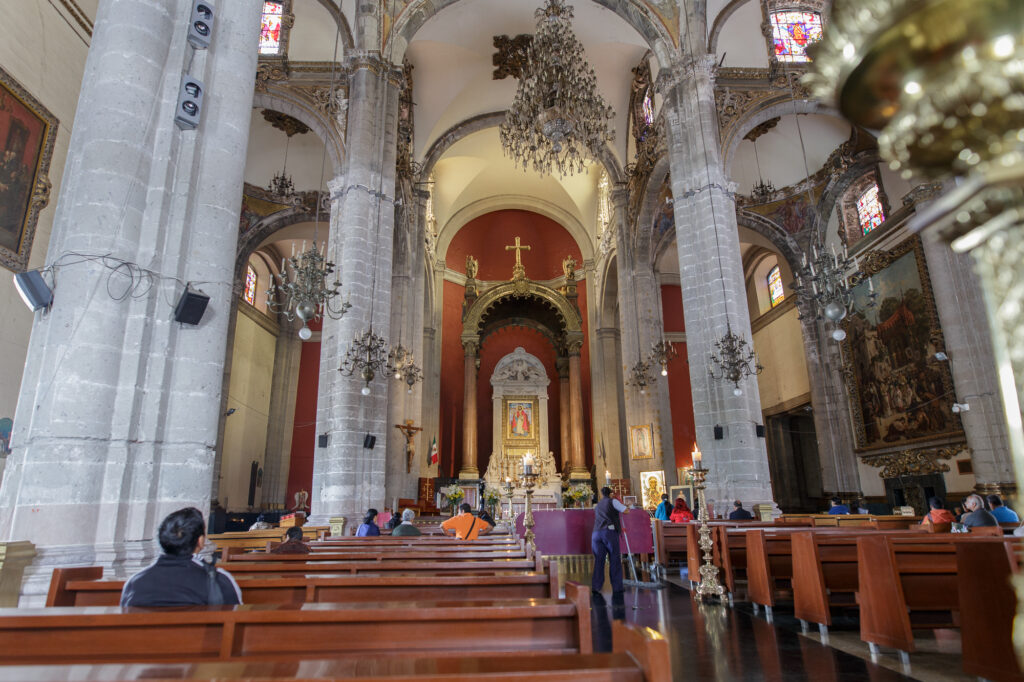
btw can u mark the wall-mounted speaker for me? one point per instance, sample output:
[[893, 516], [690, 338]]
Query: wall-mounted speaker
[[191, 306], [200, 26], [719, 432], [33, 289], [190, 103], [369, 441], [759, 430], [322, 439]]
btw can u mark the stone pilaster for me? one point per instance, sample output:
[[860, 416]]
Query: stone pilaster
[[119, 405], [348, 478], [609, 424], [281, 419], [711, 276]]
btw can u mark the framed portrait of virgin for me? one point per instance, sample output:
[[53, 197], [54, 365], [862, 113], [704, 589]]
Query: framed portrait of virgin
[[27, 134], [641, 442]]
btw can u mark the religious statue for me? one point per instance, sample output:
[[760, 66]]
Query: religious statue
[[409, 431], [546, 464], [569, 268], [472, 266], [301, 501]]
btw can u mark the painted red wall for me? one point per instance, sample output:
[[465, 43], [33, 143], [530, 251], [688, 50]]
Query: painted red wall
[[300, 469], [485, 239], [684, 432]]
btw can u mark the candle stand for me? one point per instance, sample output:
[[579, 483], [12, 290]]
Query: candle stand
[[708, 585], [508, 493], [529, 481]]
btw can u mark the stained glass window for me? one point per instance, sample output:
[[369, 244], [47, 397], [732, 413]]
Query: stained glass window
[[792, 32], [869, 210], [270, 29], [775, 293], [648, 106], [250, 286]]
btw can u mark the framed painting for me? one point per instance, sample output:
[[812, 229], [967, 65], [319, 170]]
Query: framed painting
[[641, 442], [653, 487], [27, 134], [521, 419], [899, 393], [683, 491]]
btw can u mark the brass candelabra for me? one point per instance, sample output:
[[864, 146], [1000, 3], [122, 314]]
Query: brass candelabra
[[529, 482], [708, 585]]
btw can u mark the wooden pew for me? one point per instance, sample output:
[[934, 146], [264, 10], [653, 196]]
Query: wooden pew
[[85, 587], [297, 632], [410, 554], [257, 539], [669, 541], [290, 567], [639, 655]]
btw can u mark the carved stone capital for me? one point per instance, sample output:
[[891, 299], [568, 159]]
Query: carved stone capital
[[915, 462]]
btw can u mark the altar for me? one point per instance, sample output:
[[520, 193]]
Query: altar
[[567, 531]]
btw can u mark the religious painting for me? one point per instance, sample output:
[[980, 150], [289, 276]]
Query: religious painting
[[520, 419], [641, 442], [899, 392], [653, 488], [27, 134], [683, 491]]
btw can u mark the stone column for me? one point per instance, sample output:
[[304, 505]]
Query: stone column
[[610, 427], [348, 478], [117, 418], [469, 469], [579, 461], [564, 417], [281, 421], [714, 296]]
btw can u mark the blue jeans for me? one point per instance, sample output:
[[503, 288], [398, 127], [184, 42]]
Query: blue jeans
[[605, 543]]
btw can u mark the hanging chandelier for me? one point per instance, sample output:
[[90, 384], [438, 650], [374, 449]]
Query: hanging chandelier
[[301, 290], [366, 356], [661, 353], [824, 280], [402, 362], [762, 191], [732, 360], [640, 376], [281, 184], [558, 116]]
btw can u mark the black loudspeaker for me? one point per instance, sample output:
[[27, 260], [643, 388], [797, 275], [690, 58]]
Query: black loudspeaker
[[369, 441], [759, 430], [719, 432], [200, 25], [191, 307], [190, 103], [321, 440]]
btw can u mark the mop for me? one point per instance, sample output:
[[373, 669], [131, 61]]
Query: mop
[[636, 582]]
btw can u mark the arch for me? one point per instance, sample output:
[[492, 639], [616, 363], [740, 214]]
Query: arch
[[645, 241], [344, 30], [865, 163], [258, 233], [779, 238], [517, 202], [287, 102], [473, 324], [719, 23], [633, 12], [775, 107]]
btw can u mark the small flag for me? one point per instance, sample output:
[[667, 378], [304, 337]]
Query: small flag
[[433, 452]]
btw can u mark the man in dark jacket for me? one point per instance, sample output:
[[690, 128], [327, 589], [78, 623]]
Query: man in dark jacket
[[604, 541], [177, 578], [739, 513], [293, 543]]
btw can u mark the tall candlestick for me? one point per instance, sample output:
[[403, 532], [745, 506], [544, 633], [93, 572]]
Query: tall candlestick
[[696, 456], [608, 478]]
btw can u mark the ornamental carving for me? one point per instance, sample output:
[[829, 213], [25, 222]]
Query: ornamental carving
[[741, 92], [285, 123], [511, 56], [915, 462], [268, 72], [519, 366]]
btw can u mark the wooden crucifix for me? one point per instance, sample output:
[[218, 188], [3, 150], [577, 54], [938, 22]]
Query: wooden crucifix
[[409, 431]]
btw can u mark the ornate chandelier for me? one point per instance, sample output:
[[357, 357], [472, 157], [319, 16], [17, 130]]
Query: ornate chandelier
[[366, 356], [558, 116], [661, 353], [640, 376], [303, 293], [401, 360], [732, 360], [281, 184], [824, 281]]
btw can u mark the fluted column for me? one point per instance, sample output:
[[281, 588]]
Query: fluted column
[[469, 426], [564, 417]]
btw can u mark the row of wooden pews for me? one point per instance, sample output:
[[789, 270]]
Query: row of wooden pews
[[438, 607], [897, 581]]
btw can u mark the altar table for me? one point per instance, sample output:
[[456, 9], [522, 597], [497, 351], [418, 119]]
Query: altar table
[[567, 531]]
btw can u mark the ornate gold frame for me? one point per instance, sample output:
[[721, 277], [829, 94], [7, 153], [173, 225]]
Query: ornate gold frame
[[519, 441], [873, 263], [633, 431], [17, 260]]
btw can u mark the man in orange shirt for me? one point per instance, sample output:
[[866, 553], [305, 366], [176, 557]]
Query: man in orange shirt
[[465, 526]]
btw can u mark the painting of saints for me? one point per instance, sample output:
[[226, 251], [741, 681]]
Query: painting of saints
[[520, 420]]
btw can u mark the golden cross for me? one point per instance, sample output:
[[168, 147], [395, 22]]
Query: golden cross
[[517, 248]]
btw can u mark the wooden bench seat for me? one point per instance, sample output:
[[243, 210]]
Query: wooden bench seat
[[640, 655], [287, 567], [85, 587], [297, 631], [410, 554], [257, 539]]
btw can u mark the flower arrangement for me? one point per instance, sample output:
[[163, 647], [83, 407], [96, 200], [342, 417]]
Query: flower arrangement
[[453, 493], [577, 494], [491, 497]]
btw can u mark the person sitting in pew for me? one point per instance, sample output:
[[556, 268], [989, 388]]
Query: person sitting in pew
[[976, 515], [936, 513], [680, 512], [739, 513], [664, 510], [1002, 513], [368, 528], [178, 577], [406, 527], [465, 526], [838, 507], [293, 543]]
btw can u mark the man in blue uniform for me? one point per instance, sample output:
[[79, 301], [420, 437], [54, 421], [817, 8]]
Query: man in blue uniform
[[604, 541]]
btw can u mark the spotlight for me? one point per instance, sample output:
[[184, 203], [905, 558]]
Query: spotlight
[[190, 103], [961, 407], [33, 289], [200, 25]]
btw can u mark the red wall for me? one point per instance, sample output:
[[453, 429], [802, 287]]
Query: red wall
[[684, 432], [300, 469], [485, 239]]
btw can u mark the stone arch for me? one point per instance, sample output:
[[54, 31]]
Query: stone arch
[[646, 240], [864, 165], [783, 242], [473, 324], [775, 107], [344, 30], [633, 12], [720, 20], [287, 102], [250, 240]]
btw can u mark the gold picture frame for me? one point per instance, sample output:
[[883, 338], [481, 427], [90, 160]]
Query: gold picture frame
[[641, 442], [27, 134], [652, 487], [519, 418]]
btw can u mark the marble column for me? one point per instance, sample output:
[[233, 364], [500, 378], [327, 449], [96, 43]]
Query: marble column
[[347, 477], [579, 460], [117, 418], [711, 276], [564, 417], [469, 468]]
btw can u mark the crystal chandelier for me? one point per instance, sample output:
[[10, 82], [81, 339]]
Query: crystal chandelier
[[303, 292], [824, 281], [366, 356], [281, 185], [732, 360], [558, 116]]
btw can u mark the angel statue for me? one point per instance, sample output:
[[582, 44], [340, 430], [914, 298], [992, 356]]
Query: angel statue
[[471, 267], [569, 268]]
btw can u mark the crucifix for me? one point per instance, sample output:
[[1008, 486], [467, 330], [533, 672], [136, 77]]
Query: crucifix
[[518, 271], [409, 431]]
